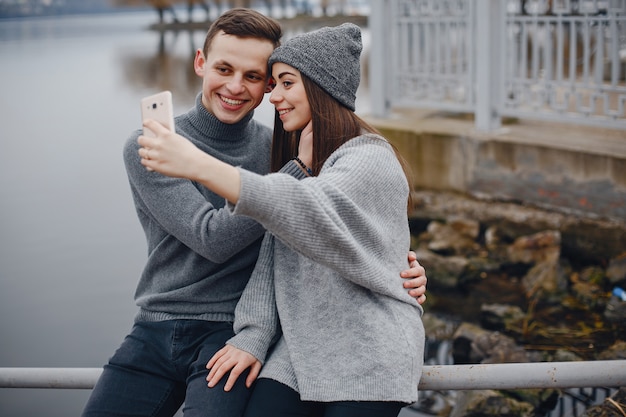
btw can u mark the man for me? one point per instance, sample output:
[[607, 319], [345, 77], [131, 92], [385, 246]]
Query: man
[[200, 256]]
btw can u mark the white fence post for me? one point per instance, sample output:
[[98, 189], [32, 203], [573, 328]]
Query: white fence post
[[378, 60], [489, 22]]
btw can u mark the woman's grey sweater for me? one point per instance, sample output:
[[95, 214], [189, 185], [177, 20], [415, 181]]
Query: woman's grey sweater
[[328, 276]]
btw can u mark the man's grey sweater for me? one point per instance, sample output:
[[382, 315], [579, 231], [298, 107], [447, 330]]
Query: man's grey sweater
[[350, 332], [200, 256]]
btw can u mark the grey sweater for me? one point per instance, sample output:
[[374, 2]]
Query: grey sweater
[[328, 275], [200, 256]]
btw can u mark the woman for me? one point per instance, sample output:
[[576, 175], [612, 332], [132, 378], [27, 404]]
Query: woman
[[343, 347]]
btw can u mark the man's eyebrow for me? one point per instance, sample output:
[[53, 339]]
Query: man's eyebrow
[[256, 71], [222, 62]]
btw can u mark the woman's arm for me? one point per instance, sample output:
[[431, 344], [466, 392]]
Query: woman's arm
[[175, 156], [355, 209], [256, 325], [232, 361], [179, 208]]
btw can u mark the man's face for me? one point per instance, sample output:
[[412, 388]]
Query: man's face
[[234, 75]]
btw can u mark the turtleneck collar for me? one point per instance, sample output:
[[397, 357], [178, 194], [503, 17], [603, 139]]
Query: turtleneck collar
[[211, 127]]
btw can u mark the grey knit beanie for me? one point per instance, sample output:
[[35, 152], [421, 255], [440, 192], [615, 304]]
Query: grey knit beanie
[[329, 57]]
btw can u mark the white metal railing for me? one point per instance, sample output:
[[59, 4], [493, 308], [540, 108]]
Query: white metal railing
[[558, 60], [436, 377]]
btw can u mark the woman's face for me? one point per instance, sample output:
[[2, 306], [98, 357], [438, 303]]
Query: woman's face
[[289, 97]]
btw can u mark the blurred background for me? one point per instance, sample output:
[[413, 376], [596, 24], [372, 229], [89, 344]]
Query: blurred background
[[71, 249], [507, 282]]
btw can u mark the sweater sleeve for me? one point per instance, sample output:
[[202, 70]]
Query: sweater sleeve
[[256, 318], [179, 208], [348, 218]]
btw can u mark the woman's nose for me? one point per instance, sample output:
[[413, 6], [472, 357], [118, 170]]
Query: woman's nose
[[275, 96]]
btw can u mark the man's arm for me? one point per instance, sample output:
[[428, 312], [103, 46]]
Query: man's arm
[[416, 279]]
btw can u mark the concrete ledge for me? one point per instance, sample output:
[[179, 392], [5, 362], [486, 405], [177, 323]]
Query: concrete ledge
[[574, 169]]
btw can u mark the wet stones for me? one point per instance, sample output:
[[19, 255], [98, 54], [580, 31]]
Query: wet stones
[[519, 284]]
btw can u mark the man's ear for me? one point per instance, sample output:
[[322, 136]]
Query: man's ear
[[270, 85], [199, 62]]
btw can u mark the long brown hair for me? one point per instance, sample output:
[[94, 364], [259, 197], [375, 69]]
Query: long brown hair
[[333, 125]]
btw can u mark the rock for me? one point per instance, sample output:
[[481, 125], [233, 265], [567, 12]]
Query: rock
[[594, 275], [587, 287], [588, 239], [456, 237], [617, 351], [437, 328], [615, 311], [462, 341], [442, 271], [540, 247], [592, 242], [499, 317], [590, 295], [496, 244], [473, 344], [495, 347], [487, 403], [536, 279], [476, 269], [493, 237], [545, 281], [616, 271], [542, 400], [562, 355]]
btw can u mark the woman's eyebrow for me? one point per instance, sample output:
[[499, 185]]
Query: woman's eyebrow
[[282, 74]]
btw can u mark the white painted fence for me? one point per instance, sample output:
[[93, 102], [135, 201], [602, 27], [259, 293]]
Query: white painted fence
[[557, 60]]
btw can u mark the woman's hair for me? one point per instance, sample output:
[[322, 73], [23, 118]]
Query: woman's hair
[[333, 125], [244, 23]]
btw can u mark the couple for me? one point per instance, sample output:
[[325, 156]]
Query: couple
[[324, 308]]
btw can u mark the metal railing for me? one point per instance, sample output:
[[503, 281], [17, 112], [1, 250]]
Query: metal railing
[[557, 60], [434, 377]]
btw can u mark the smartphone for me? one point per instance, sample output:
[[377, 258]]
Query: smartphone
[[158, 107]]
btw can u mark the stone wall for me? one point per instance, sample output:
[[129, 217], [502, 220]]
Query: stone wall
[[572, 169]]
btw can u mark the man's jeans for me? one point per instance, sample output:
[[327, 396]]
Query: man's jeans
[[159, 366]]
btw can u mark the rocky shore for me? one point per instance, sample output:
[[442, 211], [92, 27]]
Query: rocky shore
[[511, 283]]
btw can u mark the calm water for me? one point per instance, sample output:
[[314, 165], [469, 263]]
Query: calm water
[[71, 248]]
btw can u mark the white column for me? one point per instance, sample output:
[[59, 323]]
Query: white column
[[378, 60], [489, 35]]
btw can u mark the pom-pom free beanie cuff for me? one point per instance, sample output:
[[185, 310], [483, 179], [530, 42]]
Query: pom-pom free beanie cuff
[[330, 57]]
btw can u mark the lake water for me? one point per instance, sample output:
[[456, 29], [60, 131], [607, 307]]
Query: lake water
[[71, 247]]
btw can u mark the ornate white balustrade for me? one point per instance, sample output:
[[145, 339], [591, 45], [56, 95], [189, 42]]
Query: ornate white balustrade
[[554, 60]]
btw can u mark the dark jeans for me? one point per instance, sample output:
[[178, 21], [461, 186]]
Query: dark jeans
[[159, 366], [273, 399]]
